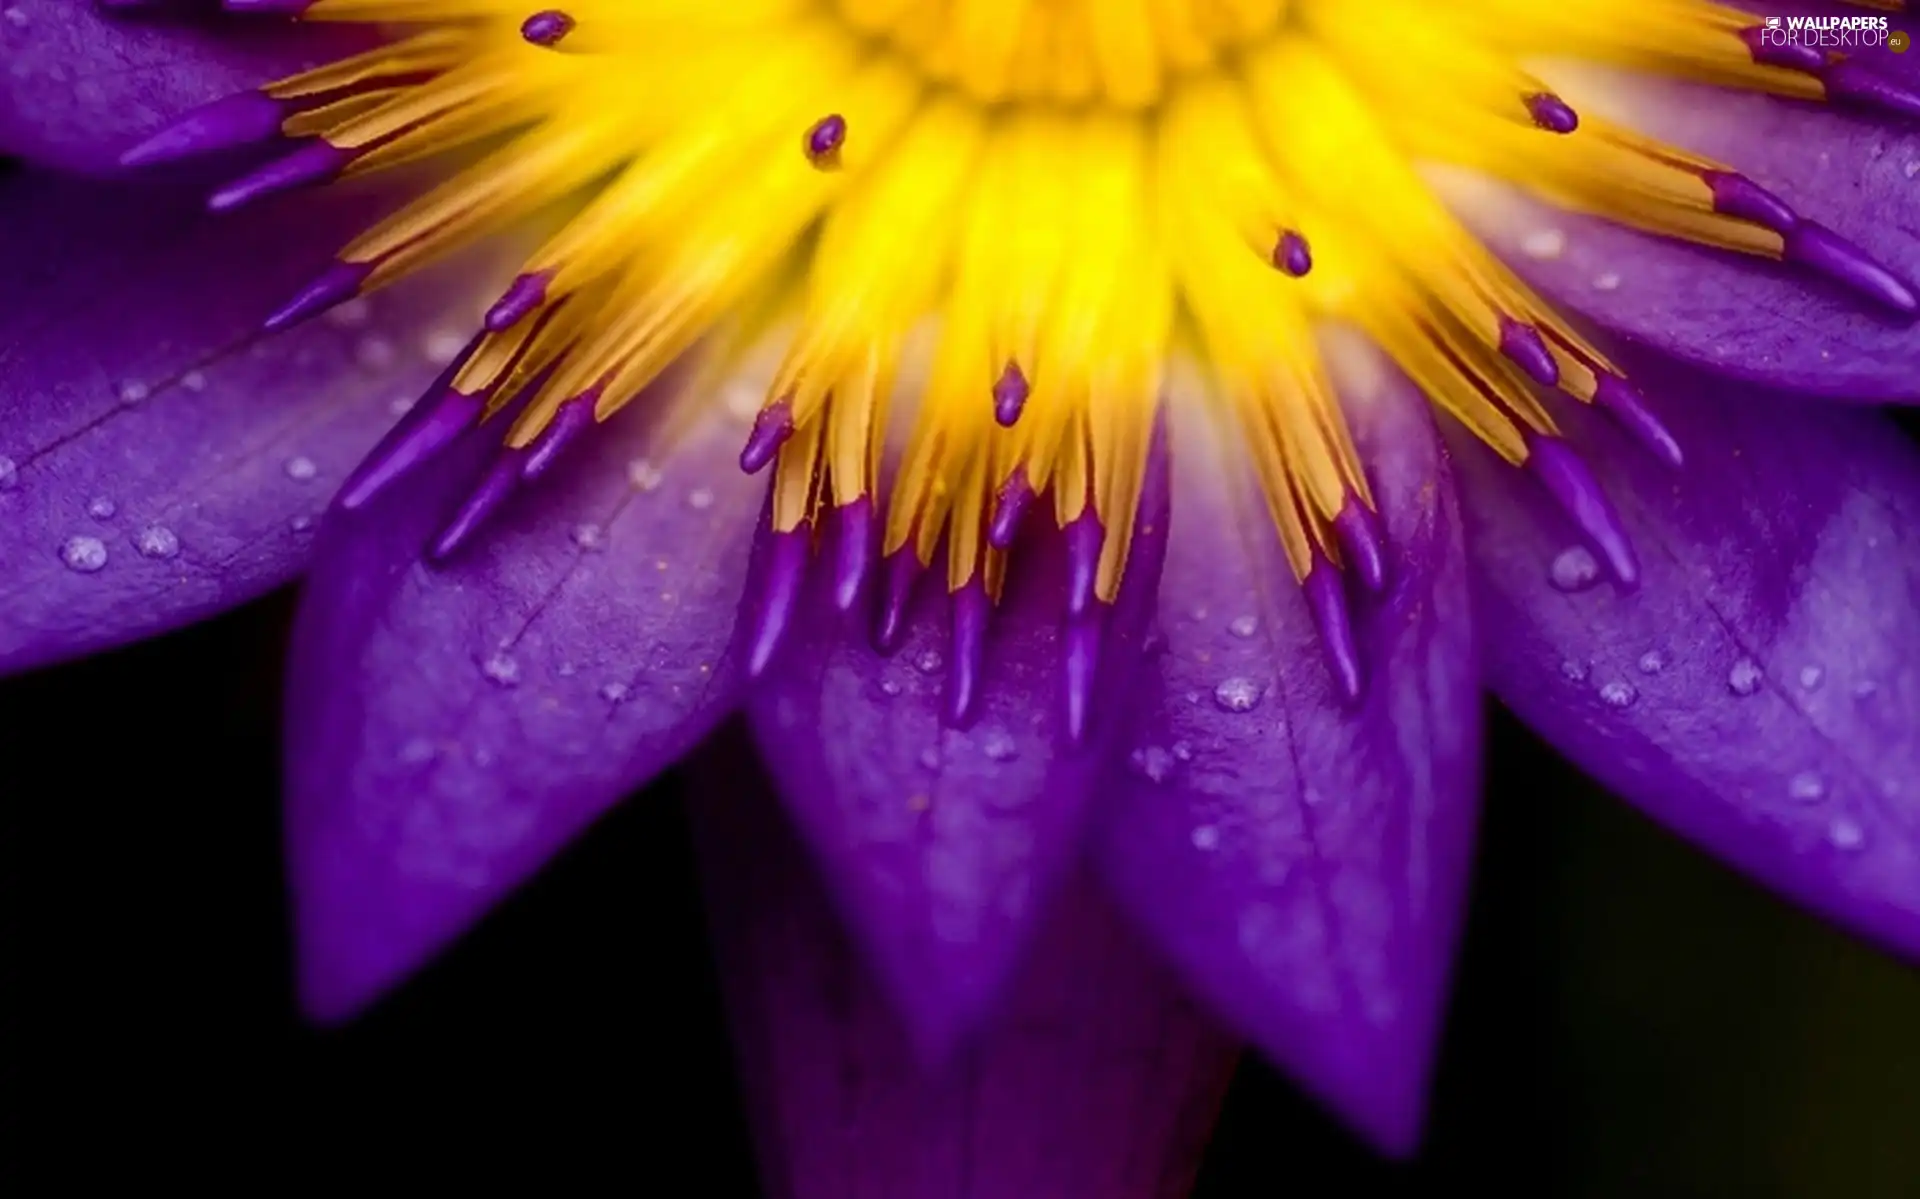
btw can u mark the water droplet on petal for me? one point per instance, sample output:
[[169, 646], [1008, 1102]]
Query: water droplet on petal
[[1244, 627], [930, 758], [1912, 169], [502, 669], [1607, 281], [890, 686], [1744, 678], [16, 17], [1810, 677], [443, 346], [1806, 787], [613, 693], [1544, 245], [300, 524], [84, 554], [350, 314], [700, 499], [101, 507], [9, 474], [157, 541], [194, 381], [133, 391], [1865, 689], [1574, 672], [999, 747], [1618, 695], [1206, 838], [643, 475], [374, 353], [1152, 763], [1652, 662], [929, 661], [589, 537], [1183, 751], [300, 468], [1238, 695], [1846, 834], [1575, 569]]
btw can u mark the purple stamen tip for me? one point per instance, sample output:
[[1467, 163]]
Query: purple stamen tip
[[1571, 484], [237, 120], [1327, 601], [1741, 198], [1085, 537], [1010, 505], [1292, 255], [903, 570], [546, 28], [526, 293], [1525, 348], [338, 282], [571, 419], [314, 162], [1623, 402], [1852, 82], [779, 596], [433, 424], [971, 611], [500, 482], [1825, 252], [855, 557], [1082, 666], [1551, 113], [1792, 56], [771, 429], [1010, 392], [1358, 530], [825, 139]]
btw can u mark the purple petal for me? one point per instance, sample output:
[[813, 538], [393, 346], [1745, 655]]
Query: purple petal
[[1760, 692], [451, 727], [1102, 1084], [1304, 862], [942, 845], [161, 460], [1773, 324], [82, 85]]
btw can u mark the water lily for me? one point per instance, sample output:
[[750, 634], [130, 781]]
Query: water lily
[[1104, 449]]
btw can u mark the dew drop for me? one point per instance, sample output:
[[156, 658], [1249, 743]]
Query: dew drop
[[643, 475], [501, 669], [1607, 281], [613, 693], [566, 670], [9, 474], [1652, 662], [1183, 751], [194, 381], [1244, 627], [157, 541], [999, 747], [929, 661], [101, 508], [930, 758], [1237, 695], [1806, 787], [1744, 678], [1912, 169], [742, 401], [1618, 695], [1544, 245], [1846, 834], [1811, 676], [133, 391], [589, 537], [1152, 763], [300, 468], [1573, 672], [1865, 689], [700, 499], [443, 346], [16, 17], [84, 554], [1206, 838], [300, 524], [401, 405], [374, 353], [351, 314], [1575, 569], [890, 686]]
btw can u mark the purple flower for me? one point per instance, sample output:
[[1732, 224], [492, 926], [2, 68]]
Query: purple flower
[[1218, 591]]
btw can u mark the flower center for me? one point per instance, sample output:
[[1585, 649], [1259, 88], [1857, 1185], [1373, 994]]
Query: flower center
[[968, 238]]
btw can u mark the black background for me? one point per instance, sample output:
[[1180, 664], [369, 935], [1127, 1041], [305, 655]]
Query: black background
[[1630, 1018]]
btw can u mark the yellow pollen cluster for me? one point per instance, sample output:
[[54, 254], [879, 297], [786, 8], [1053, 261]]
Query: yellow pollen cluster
[[983, 228]]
